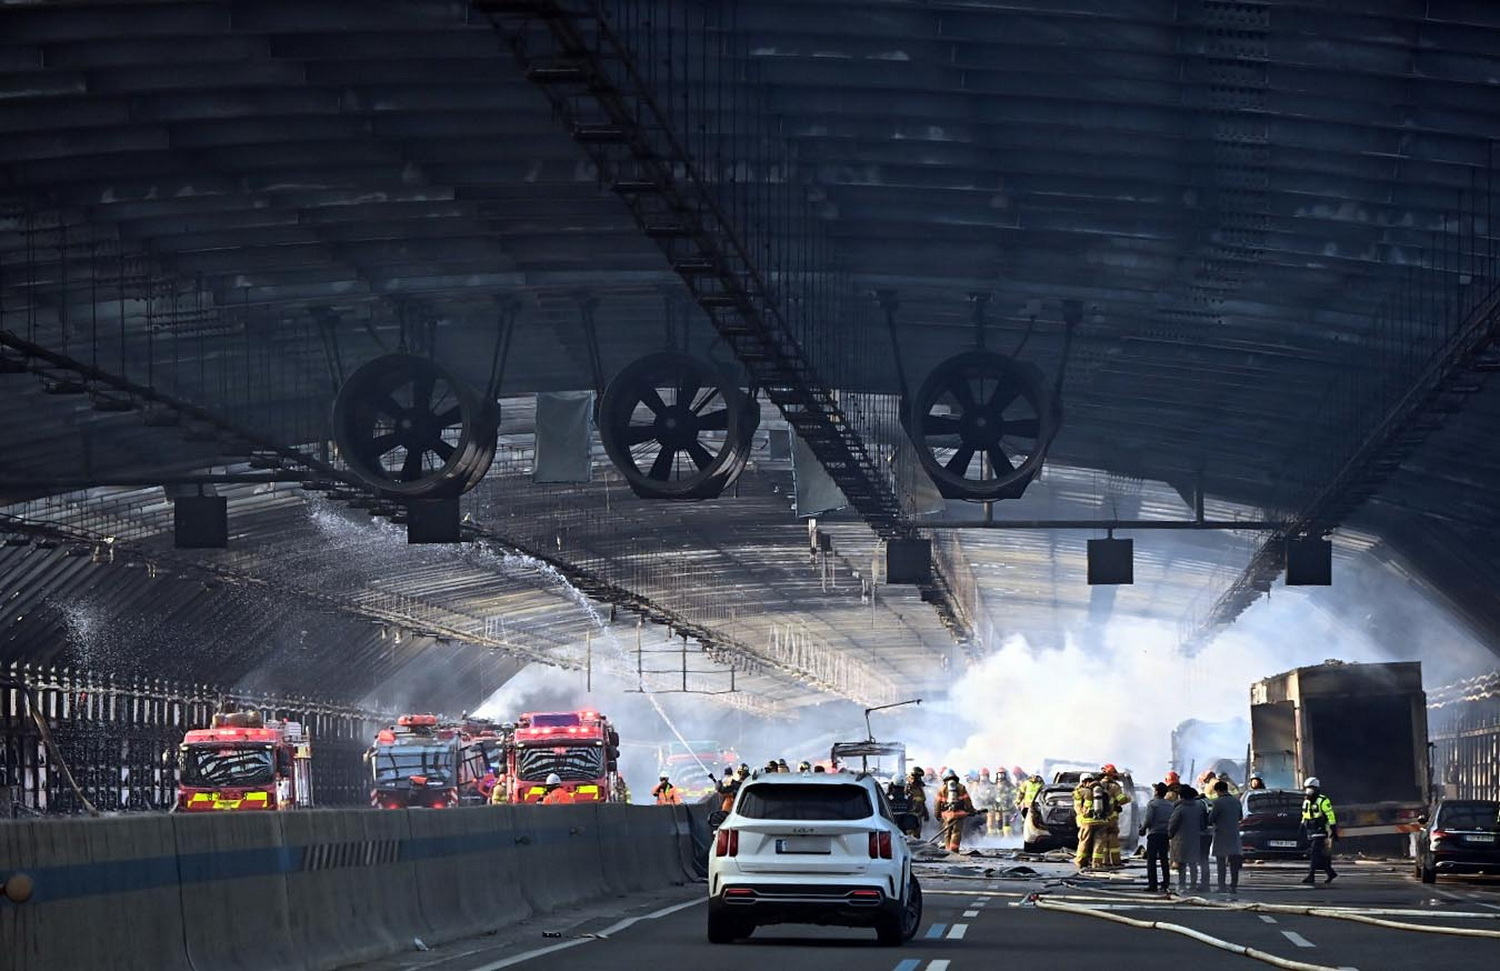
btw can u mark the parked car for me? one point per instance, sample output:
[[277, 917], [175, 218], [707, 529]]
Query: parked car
[[1460, 836], [1272, 827], [1051, 824], [812, 849]]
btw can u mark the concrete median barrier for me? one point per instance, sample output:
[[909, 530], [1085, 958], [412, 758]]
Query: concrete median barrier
[[235, 912], [311, 891], [351, 891], [104, 893], [465, 871]]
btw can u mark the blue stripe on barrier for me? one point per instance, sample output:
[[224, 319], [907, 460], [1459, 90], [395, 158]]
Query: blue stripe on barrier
[[150, 873]]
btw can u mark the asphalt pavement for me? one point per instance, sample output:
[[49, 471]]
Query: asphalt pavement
[[982, 911]]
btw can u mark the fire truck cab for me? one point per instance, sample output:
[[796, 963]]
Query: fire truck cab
[[415, 764], [244, 763], [581, 747]]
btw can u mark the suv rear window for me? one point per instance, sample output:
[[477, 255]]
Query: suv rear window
[[1472, 815], [1273, 802], [805, 802]]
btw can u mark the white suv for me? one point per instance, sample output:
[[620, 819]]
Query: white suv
[[812, 849]]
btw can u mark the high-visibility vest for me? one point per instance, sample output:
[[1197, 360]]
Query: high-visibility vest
[[1317, 815]]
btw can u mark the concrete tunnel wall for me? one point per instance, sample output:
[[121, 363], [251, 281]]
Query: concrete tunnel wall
[[316, 890]]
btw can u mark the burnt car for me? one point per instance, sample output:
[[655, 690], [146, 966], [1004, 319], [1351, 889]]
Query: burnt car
[[1460, 836], [1049, 823], [1272, 826]]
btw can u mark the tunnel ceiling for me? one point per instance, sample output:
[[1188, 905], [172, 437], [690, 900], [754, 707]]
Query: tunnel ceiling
[[1273, 214]]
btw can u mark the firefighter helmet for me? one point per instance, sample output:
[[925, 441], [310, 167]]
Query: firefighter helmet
[[950, 774], [1312, 783], [553, 779]]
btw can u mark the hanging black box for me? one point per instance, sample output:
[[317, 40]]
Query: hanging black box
[[1111, 561], [1309, 561], [200, 522], [433, 521], [908, 561]]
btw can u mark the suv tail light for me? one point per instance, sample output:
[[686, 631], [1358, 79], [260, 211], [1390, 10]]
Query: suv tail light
[[727, 843], [1439, 834], [1254, 819], [880, 845]]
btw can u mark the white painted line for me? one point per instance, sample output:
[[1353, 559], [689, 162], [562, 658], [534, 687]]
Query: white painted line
[[1297, 939], [1268, 918], [614, 928], [957, 932], [971, 913], [980, 902], [939, 965]]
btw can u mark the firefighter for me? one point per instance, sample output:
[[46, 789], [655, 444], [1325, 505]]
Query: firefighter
[[556, 794], [1027, 794], [486, 784], [500, 791], [1118, 800], [1093, 810], [727, 788], [916, 794], [804, 767], [953, 807], [1320, 825], [666, 794], [1256, 782]]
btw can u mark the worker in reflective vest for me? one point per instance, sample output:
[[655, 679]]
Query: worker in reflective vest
[[1321, 828], [666, 793]]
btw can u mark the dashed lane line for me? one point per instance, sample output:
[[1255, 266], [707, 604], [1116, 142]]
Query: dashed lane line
[[939, 965], [1268, 918], [957, 932], [611, 929], [971, 913], [935, 931], [1297, 939]]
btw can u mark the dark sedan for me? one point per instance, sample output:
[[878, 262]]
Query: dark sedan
[[1272, 827], [1461, 836]]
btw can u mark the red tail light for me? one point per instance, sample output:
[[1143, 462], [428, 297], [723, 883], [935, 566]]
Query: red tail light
[[880, 845], [1252, 820], [1440, 834], [727, 843]]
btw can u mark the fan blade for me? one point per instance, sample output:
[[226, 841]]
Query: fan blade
[[452, 416], [701, 456], [687, 390], [387, 405], [714, 420], [443, 449], [384, 443], [999, 460], [411, 469], [1002, 397], [1024, 428], [651, 398], [940, 425], [661, 469], [713, 395], [421, 392], [962, 393], [959, 463], [636, 434]]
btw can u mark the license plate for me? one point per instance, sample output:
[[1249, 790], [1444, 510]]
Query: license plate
[[1480, 838], [804, 844], [1282, 844]]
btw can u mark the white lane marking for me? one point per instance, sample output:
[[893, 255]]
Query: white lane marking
[[1297, 939], [957, 932], [979, 902], [971, 913], [938, 965], [1268, 918], [614, 928]]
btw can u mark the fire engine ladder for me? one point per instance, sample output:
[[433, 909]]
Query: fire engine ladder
[[569, 50]]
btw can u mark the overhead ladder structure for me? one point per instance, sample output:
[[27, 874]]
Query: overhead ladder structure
[[570, 50]]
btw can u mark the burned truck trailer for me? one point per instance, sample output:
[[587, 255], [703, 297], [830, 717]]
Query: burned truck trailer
[[1360, 728]]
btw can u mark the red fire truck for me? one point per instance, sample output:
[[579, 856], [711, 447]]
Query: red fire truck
[[416, 763], [242, 762], [581, 747], [485, 748]]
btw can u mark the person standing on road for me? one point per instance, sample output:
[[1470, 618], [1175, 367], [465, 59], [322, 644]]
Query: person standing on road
[[953, 807], [666, 794], [1118, 800], [1154, 828], [1092, 811], [916, 794], [1320, 825], [726, 788], [1186, 831], [1224, 815]]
